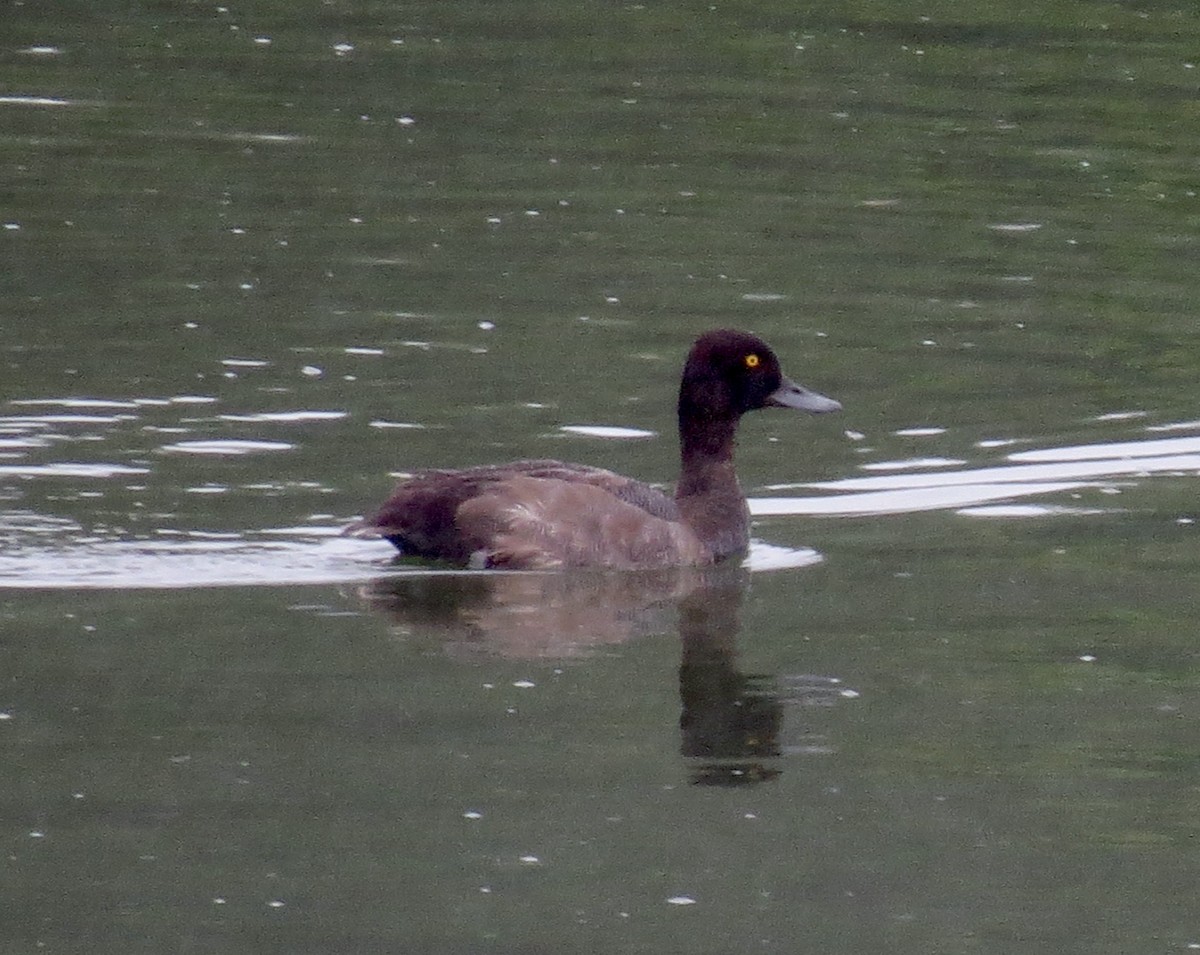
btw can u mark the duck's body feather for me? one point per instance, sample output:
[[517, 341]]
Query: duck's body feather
[[541, 514], [531, 514]]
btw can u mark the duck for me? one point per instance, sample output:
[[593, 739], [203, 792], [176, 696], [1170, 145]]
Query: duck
[[545, 514]]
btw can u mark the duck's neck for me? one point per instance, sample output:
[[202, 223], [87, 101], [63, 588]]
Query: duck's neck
[[706, 455], [708, 494]]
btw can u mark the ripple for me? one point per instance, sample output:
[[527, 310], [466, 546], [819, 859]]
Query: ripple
[[1036, 472], [1016, 228], [50, 553], [286, 417], [395, 424], [73, 403], [30, 522], [34, 101], [226, 447], [192, 562], [1174, 426], [606, 431], [1031, 510], [913, 464], [762, 556], [70, 469], [919, 432], [262, 137], [1111, 450], [904, 500], [42, 421]]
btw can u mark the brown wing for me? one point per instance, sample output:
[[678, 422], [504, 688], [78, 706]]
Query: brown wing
[[421, 518], [530, 523], [649, 499]]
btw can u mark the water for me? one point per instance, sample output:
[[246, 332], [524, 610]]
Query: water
[[255, 262]]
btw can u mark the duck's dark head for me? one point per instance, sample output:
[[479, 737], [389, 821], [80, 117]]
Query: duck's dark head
[[729, 372]]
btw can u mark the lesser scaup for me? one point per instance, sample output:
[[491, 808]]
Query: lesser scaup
[[546, 514]]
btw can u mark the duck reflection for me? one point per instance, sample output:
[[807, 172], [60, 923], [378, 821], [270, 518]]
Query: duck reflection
[[532, 616], [731, 723]]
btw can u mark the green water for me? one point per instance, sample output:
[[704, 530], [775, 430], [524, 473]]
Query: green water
[[970, 727]]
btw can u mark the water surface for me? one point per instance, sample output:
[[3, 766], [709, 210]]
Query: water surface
[[256, 263]]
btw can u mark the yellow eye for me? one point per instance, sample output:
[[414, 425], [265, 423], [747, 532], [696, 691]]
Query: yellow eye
[[752, 360]]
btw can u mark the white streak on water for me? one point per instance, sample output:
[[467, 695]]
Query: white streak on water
[[1118, 450], [33, 101], [70, 470], [73, 563], [286, 417], [606, 431], [902, 500], [39, 421], [1031, 510], [919, 432], [764, 556], [1036, 472], [914, 464], [228, 447], [74, 403]]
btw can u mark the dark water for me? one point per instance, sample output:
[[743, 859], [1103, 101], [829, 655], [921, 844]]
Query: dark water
[[255, 258]]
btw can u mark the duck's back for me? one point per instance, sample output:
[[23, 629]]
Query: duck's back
[[536, 514]]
